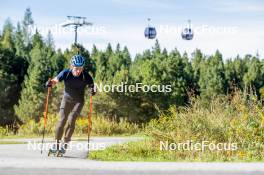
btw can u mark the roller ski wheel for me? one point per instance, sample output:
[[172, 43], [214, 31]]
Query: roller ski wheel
[[61, 152], [56, 153], [52, 152]]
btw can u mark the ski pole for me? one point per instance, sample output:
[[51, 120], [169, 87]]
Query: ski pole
[[45, 115], [90, 121]]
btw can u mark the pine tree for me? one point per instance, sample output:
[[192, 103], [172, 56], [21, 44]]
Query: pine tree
[[212, 78], [253, 77], [126, 57], [196, 62], [7, 83], [156, 50], [50, 41], [58, 62], [94, 51], [12, 70], [234, 73], [27, 23], [7, 40], [101, 67], [109, 50], [117, 61], [33, 94], [19, 43]]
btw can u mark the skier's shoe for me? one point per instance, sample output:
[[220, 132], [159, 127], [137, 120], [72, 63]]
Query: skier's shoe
[[53, 150], [58, 149], [62, 151]]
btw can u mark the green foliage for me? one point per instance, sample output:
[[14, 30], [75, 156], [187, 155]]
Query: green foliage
[[156, 68], [229, 119], [101, 127], [7, 40], [19, 42], [253, 78], [105, 126], [26, 23], [33, 94], [132, 151], [7, 86], [112, 70], [3, 132], [212, 76], [12, 71]]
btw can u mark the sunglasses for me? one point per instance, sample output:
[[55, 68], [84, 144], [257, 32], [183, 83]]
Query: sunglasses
[[77, 68]]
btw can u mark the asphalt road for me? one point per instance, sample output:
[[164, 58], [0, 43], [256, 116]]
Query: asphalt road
[[25, 159]]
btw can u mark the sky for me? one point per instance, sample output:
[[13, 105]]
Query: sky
[[231, 26]]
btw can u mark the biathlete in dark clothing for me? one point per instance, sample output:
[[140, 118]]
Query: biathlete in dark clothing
[[75, 81]]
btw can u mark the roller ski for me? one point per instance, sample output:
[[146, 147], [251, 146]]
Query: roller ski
[[57, 152]]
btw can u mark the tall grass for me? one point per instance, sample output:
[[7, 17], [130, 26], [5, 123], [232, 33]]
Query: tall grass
[[237, 118], [101, 126]]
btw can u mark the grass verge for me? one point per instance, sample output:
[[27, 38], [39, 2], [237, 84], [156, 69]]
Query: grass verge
[[101, 127], [149, 151], [232, 125], [11, 142]]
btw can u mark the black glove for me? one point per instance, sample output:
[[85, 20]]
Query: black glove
[[92, 91], [48, 83]]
